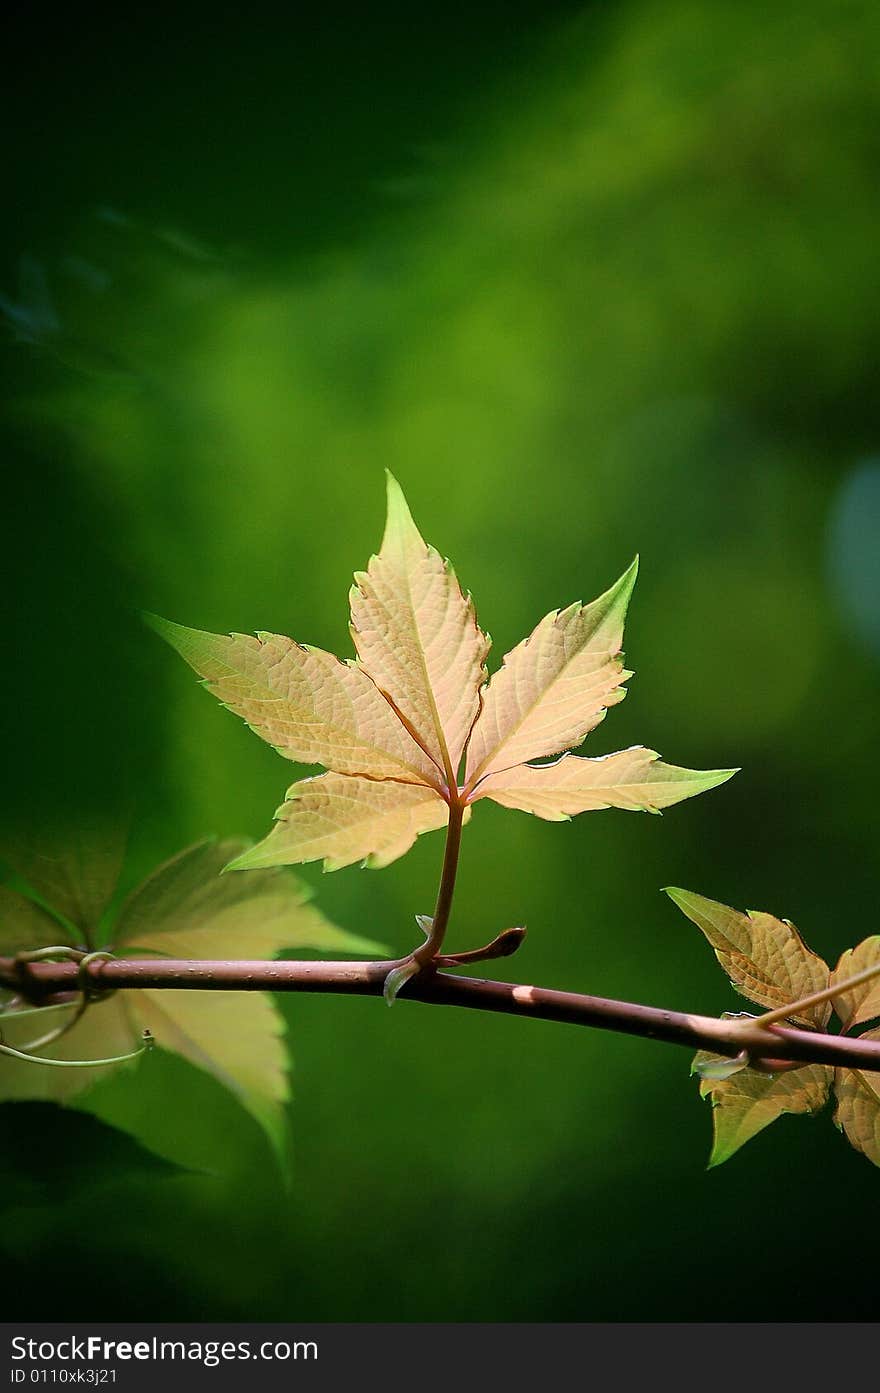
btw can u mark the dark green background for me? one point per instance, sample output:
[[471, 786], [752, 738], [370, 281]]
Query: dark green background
[[591, 282]]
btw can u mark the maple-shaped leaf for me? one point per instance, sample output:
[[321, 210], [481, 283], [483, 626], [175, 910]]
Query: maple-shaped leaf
[[749, 1101], [394, 729], [857, 1113], [185, 909], [862, 1002], [765, 958]]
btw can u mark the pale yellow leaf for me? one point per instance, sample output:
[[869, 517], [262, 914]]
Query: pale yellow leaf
[[105, 1030], [304, 702], [235, 1036], [765, 958], [417, 636], [344, 820], [555, 686], [861, 1003], [636, 779], [858, 1106], [748, 1102], [187, 909]]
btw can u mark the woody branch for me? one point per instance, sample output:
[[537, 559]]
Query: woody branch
[[45, 981]]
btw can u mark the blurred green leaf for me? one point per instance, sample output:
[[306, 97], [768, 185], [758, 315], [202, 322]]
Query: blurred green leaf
[[186, 909], [746, 1103], [74, 867]]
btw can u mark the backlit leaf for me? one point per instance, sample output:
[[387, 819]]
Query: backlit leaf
[[235, 1036], [555, 686], [416, 705], [857, 1113], [417, 635], [304, 702], [861, 1003], [187, 909], [107, 1028], [749, 1101], [342, 820], [765, 958], [636, 779]]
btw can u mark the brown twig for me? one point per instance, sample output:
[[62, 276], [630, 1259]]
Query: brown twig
[[41, 981]]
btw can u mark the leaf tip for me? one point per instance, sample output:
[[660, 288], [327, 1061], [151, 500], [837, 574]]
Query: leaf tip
[[398, 507], [165, 628], [399, 524], [675, 893], [616, 599], [628, 579]]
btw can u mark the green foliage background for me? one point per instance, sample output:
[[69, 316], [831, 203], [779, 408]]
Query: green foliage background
[[590, 281]]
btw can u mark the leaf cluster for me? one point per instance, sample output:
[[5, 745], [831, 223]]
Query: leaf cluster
[[768, 962]]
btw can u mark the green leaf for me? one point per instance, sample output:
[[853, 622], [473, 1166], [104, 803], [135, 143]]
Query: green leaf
[[25, 925], [747, 1102], [74, 868], [185, 909], [237, 1037]]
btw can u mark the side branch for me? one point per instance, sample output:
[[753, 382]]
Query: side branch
[[44, 981]]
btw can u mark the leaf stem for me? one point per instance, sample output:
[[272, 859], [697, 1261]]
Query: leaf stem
[[433, 943]]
